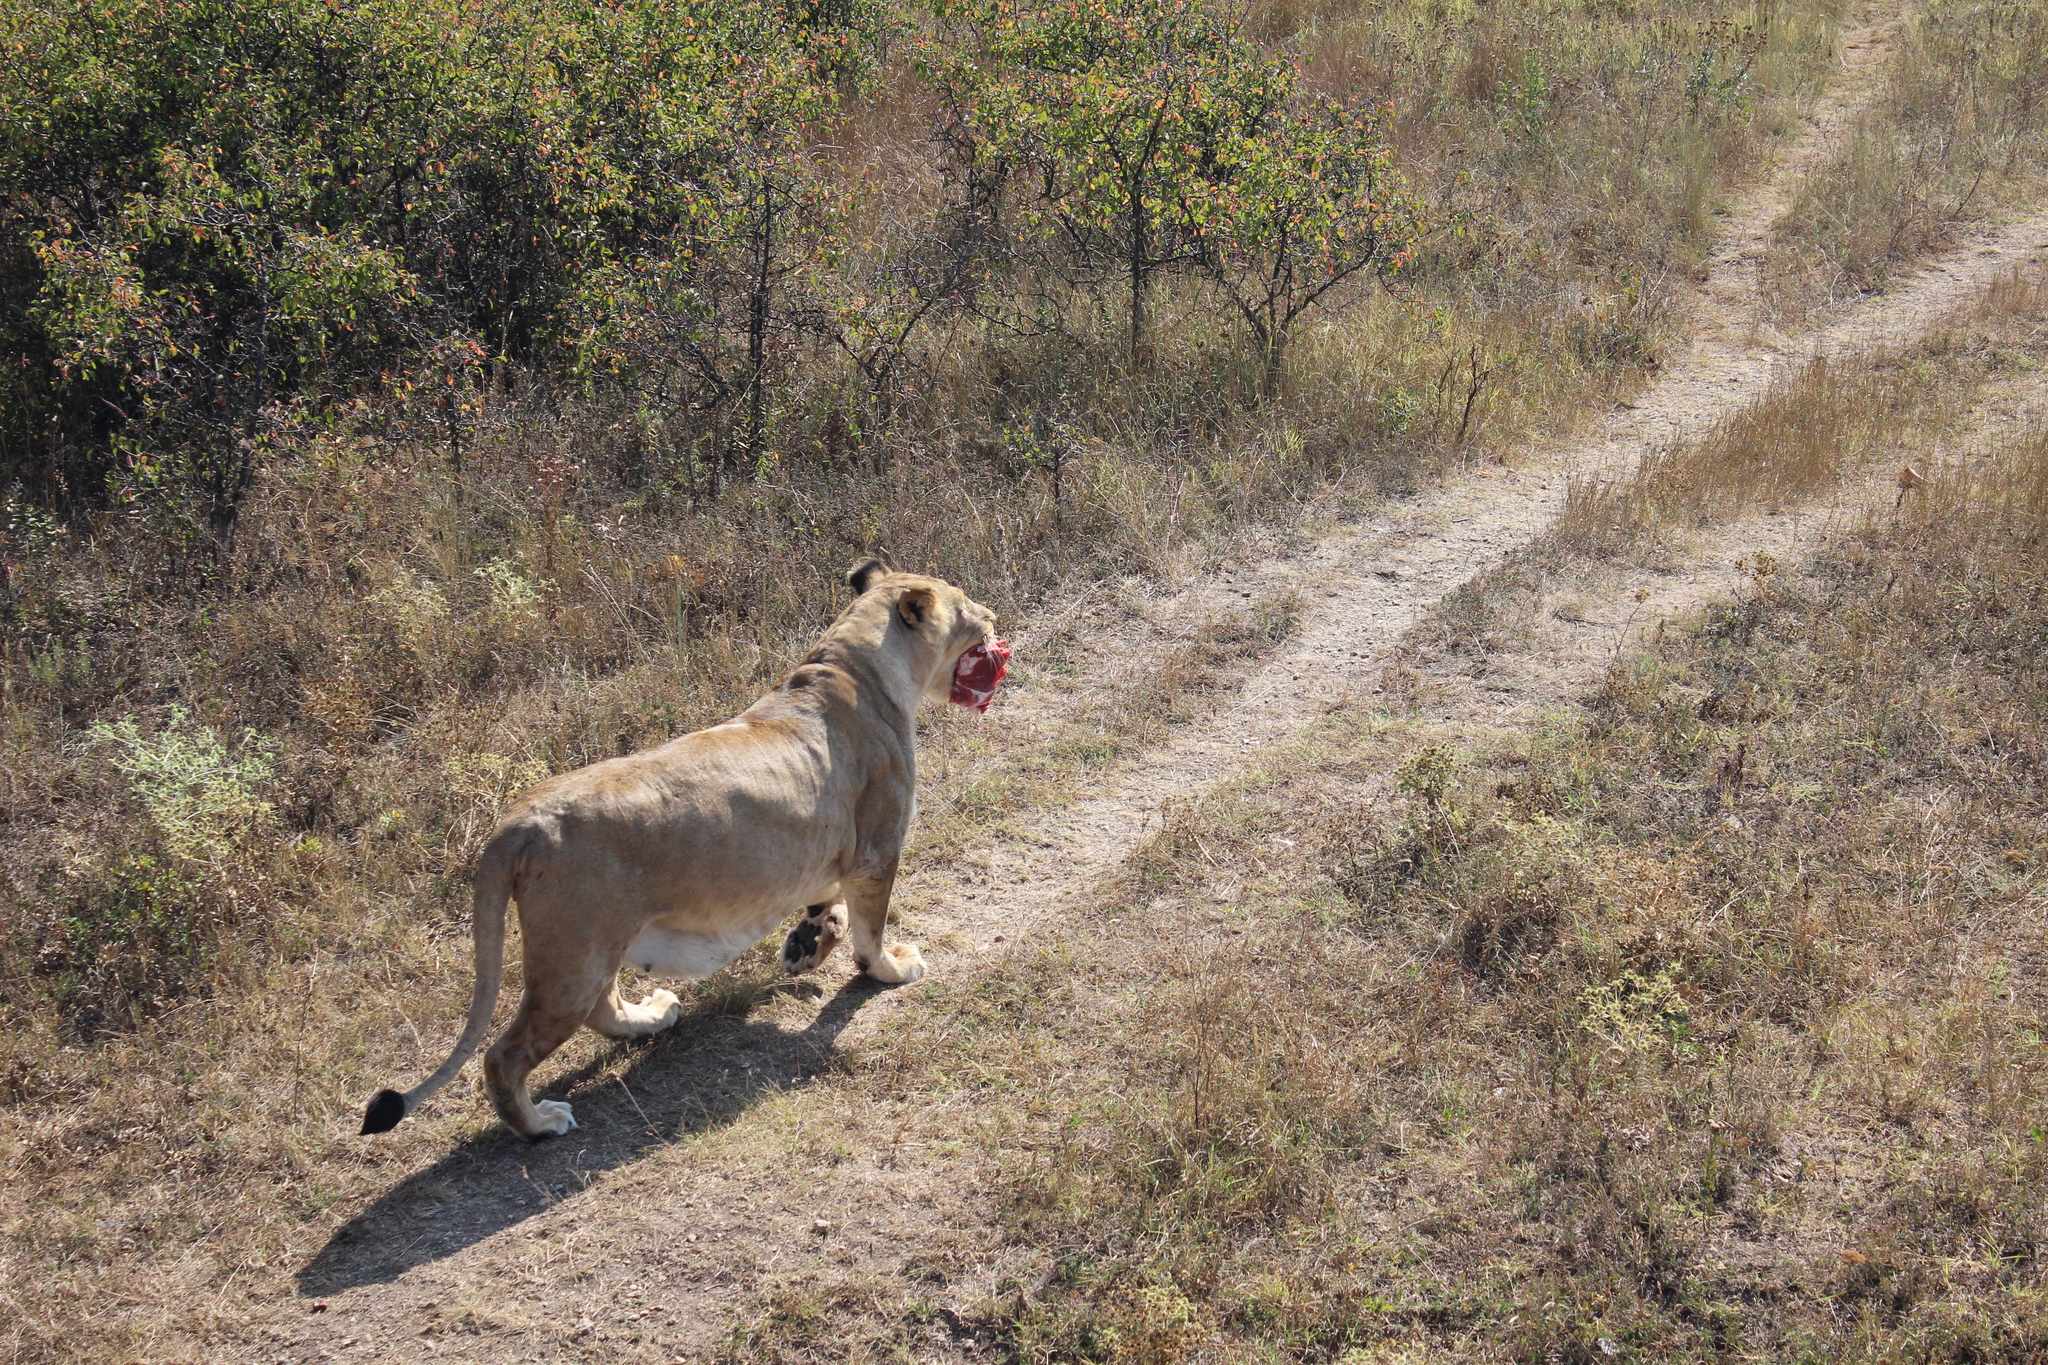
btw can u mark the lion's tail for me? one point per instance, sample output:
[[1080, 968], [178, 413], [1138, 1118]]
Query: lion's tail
[[494, 875]]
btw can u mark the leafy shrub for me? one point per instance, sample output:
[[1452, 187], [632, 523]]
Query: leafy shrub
[[201, 795], [228, 217], [140, 905], [1139, 137], [512, 595]]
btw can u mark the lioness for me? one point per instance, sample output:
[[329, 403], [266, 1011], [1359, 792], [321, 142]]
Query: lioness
[[677, 859]]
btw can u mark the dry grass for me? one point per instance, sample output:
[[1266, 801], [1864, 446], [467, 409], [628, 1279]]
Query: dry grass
[[192, 1033], [1587, 148], [1813, 428], [1823, 425], [1960, 132]]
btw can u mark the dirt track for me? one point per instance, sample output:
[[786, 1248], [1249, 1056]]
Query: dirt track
[[625, 1242]]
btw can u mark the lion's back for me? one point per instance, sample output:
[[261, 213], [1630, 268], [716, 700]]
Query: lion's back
[[748, 797]]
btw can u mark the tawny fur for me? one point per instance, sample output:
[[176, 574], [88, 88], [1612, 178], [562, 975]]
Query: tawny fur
[[677, 859]]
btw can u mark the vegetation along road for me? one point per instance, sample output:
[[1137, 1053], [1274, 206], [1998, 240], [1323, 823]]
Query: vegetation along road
[[1517, 828]]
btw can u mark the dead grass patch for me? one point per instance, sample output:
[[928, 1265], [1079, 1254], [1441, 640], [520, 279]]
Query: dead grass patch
[[1818, 426], [1960, 131], [1810, 429]]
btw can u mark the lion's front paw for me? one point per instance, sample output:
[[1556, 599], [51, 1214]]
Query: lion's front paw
[[813, 940], [898, 964], [556, 1118]]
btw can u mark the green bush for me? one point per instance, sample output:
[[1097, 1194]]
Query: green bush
[[201, 795], [222, 218], [1139, 137]]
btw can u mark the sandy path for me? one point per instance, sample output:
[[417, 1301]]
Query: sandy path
[[623, 1242]]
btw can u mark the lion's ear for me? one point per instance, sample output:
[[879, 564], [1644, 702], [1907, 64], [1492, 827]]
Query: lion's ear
[[863, 574], [916, 606]]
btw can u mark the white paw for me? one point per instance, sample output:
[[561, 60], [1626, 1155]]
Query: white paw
[[897, 965], [556, 1118], [663, 1007]]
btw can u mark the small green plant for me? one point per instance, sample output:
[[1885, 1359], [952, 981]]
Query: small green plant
[[511, 594], [201, 795], [415, 606], [27, 531], [1426, 774], [1525, 106], [1151, 1325], [1719, 78], [140, 901], [1633, 1011]]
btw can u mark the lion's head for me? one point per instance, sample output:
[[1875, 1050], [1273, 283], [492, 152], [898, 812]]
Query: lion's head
[[939, 621]]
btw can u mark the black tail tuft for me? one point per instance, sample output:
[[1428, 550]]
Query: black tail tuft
[[387, 1109]]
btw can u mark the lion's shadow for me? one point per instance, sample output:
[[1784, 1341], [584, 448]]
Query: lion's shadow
[[701, 1075]]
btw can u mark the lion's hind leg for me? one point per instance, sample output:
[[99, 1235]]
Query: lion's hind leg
[[535, 1033], [614, 1018], [560, 996], [814, 937]]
